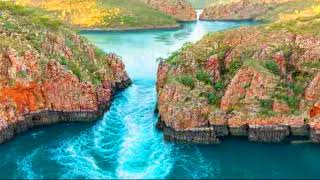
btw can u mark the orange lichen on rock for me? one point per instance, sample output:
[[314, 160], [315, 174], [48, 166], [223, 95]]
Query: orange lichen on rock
[[315, 110], [49, 76], [27, 98], [268, 85]]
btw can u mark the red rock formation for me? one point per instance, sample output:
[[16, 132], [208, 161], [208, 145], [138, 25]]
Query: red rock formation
[[281, 61], [58, 91], [49, 80], [185, 111], [313, 90], [315, 110], [162, 74], [238, 9], [280, 107], [180, 9], [213, 68]]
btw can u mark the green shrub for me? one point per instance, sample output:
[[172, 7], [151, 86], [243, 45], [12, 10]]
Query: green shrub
[[312, 64], [272, 66], [296, 88], [15, 9], [235, 66], [292, 102], [47, 22], [69, 43], [266, 103], [76, 70], [218, 85], [246, 86], [203, 76], [99, 52], [287, 51], [8, 25], [22, 74], [213, 98], [186, 46], [187, 80], [266, 107], [96, 80], [63, 61], [174, 58]]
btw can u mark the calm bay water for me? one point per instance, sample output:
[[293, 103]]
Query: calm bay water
[[125, 144]]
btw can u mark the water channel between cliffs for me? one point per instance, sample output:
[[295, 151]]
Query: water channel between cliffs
[[125, 142]]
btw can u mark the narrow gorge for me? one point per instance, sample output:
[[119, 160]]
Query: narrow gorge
[[154, 103]]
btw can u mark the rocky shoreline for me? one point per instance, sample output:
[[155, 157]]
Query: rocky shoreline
[[174, 27], [259, 82], [255, 133], [50, 74], [47, 117]]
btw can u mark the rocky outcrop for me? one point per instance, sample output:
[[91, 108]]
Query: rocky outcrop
[[251, 9], [235, 10], [180, 9], [255, 82], [49, 76]]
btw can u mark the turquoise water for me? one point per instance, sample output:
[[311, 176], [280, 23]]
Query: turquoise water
[[125, 143]]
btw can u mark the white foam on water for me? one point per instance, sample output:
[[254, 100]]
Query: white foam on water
[[25, 167], [143, 153]]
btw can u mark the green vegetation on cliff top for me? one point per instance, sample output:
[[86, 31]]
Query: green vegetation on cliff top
[[137, 15], [275, 10], [200, 4], [105, 14], [29, 29], [288, 86]]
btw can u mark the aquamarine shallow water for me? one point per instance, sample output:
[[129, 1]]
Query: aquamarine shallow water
[[125, 144]]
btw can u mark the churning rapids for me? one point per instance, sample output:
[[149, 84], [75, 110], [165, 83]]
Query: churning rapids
[[125, 143]]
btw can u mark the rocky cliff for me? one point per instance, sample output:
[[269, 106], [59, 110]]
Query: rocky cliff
[[259, 82], [49, 74], [267, 10], [180, 9]]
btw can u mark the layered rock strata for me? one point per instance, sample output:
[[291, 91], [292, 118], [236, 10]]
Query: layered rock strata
[[180, 9], [50, 74], [257, 82], [252, 9]]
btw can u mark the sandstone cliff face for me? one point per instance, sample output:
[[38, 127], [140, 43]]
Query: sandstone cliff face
[[259, 82], [50, 74], [252, 9], [180, 9]]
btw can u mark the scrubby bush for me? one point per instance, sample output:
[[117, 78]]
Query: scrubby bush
[[273, 67], [213, 98], [46, 22], [204, 76], [266, 107], [266, 103], [187, 80], [235, 66], [174, 58], [8, 25], [22, 74], [218, 85], [296, 88]]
